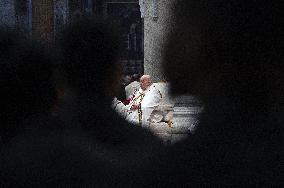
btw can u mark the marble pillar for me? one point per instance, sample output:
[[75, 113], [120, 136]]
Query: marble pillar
[[157, 23]]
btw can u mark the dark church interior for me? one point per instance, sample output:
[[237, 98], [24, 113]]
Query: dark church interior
[[141, 93]]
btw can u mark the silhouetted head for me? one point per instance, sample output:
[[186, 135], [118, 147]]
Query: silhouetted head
[[135, 77], [26, 80], [145, 82], [229, 48], [127, 79], [91, 51]]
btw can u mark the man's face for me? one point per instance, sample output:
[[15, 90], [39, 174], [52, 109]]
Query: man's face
[[144, 83]]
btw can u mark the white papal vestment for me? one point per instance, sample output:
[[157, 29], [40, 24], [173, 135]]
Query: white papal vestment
[[147, 101], [135, 116]]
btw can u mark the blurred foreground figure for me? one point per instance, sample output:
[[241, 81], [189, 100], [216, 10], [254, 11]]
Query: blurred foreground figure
[[123, 152], [84, 144], [29, 135], [229, 53], [26, 86]]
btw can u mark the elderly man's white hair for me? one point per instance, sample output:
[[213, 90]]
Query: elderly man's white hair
[[146, 76]]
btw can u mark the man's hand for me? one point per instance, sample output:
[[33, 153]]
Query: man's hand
[[134, 107]]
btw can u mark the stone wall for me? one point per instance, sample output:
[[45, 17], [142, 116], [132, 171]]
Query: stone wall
[[22, 16], [7, 12], [157, 23]]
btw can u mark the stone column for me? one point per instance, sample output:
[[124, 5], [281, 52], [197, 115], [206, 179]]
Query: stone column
[[157, 23], [42, 20]]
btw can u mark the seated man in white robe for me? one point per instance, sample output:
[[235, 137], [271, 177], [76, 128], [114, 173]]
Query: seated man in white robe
[[151, 106], [134, 107], [146, 99]]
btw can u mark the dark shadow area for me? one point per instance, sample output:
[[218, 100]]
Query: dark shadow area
[[27, 88], [77, 140], [57, 127], [229, 54]]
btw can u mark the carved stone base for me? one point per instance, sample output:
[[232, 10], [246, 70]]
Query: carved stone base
[[185, 120]]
